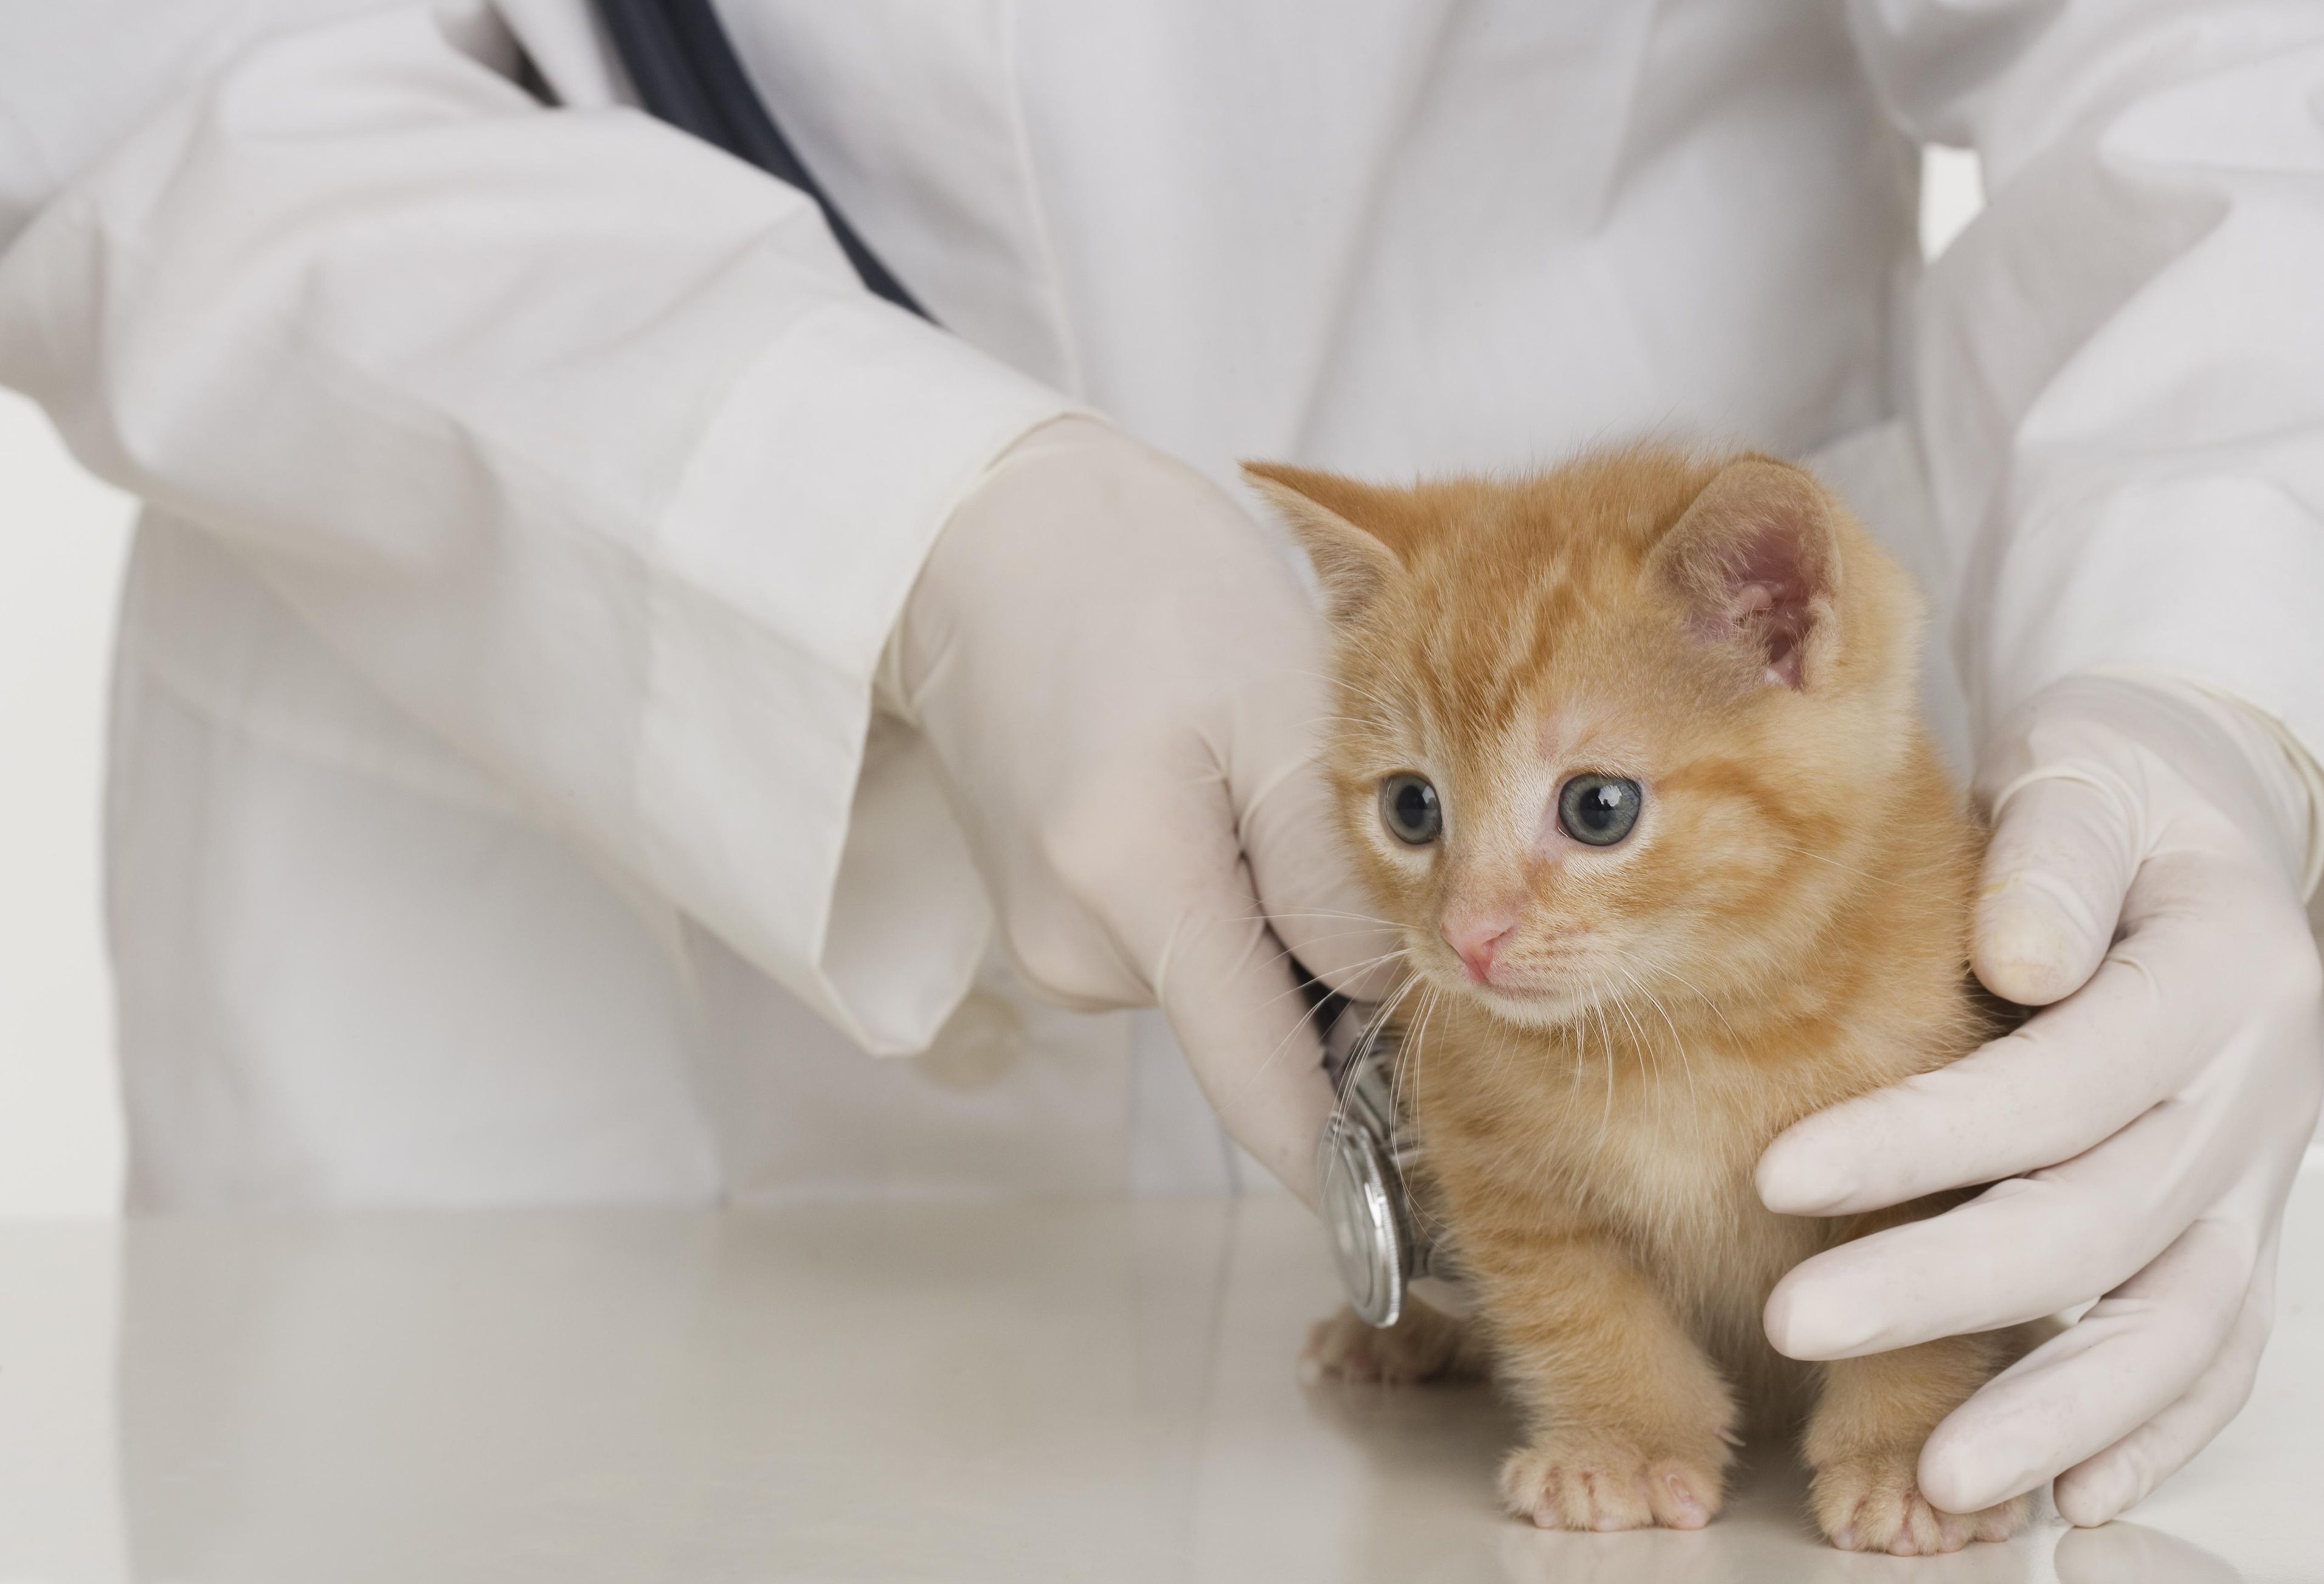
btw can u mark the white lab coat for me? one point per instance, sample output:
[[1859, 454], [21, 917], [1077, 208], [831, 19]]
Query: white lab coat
[[495, 786]]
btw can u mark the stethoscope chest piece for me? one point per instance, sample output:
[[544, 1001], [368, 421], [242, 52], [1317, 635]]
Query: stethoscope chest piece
[[1360, 1210], [1361, 1159]]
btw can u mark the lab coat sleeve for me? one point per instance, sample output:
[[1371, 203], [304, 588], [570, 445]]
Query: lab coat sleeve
[[2118, 367], [576, 436]]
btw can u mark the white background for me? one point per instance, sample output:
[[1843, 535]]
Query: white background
[[63, 536]]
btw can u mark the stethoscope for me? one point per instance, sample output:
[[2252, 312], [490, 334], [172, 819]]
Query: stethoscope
[[1366, 1160], [687, 73]]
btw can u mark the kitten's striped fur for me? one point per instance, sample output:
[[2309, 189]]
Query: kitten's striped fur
[[1786, 927]]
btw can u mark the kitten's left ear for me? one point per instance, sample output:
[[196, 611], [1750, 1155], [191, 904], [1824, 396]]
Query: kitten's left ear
[[1352, 562], [1757, 558]]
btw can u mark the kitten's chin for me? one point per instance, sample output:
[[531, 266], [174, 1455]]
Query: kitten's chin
[[1529, 1007]]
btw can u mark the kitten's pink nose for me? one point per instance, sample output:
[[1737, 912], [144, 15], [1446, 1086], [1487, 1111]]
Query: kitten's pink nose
[[1475, 940]]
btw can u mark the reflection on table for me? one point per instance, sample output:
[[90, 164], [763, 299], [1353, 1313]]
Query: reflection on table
[[1012, 1393]]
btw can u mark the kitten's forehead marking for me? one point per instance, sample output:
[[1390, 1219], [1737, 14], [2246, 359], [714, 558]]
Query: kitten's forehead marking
[[1579, 734]]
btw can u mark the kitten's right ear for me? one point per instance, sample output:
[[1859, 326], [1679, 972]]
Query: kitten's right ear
[[1352, 563]]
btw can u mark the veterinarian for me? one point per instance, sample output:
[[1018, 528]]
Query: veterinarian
[[588, 667]]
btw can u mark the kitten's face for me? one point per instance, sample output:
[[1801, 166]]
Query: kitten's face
[[1602, 733]]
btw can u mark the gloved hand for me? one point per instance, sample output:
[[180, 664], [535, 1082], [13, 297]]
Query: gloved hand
[[1123, 680], [2141, 1134]]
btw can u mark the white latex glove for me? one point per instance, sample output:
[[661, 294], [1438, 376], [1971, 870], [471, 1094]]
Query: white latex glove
[[1123, 679], [2141, 1134]]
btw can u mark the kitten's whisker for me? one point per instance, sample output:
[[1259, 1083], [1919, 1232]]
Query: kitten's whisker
[[1332, 913], [1437, 1229], [1407, 1051], [1639, 1028], [1336, 935], [1289, 1035], [1606, 1041], [1580, 1028], [1690, 986], [1638, 1034], [1679, 1043], [1287, 953], [1677, 1039], [1363, 967], [1685, 1057], [1364, 919], [1371, 1032], [1373, 1027], [1639, 985], [1293, 1033]]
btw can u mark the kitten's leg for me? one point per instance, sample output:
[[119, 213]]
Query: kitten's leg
[[1423, 1344], [1633, 1425], [1864, 1442]]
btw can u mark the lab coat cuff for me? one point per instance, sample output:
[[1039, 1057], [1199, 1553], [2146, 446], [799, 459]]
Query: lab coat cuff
[[819, 845], [2305, 776], [2206, 581]]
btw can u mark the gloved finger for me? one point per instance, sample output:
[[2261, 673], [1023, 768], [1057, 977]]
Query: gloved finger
[[1290, 836], [1229, 993], [2063, 851], [2073, 1077], [2023, 1248], [2096, 1489], [1308, 890], [2135, 1351]]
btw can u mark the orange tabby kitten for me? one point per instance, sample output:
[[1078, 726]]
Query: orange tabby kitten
[[1629, 751]]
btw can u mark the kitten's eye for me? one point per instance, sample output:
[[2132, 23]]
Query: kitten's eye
[[1409, 809], [1599, 809]]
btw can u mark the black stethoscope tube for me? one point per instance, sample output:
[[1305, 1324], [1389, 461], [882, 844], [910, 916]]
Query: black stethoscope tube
[[687, 73]]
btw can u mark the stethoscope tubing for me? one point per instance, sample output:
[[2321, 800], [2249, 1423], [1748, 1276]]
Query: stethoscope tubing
[[687, 73]]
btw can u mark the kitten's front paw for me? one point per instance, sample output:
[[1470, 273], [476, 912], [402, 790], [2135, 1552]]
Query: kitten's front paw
[[1425, 1344], [1872, 1501], [1575, 1482]]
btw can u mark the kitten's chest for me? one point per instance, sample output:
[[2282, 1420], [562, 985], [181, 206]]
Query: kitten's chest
[[1682, 1196], [1668, 1168], [1659, 1159]]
